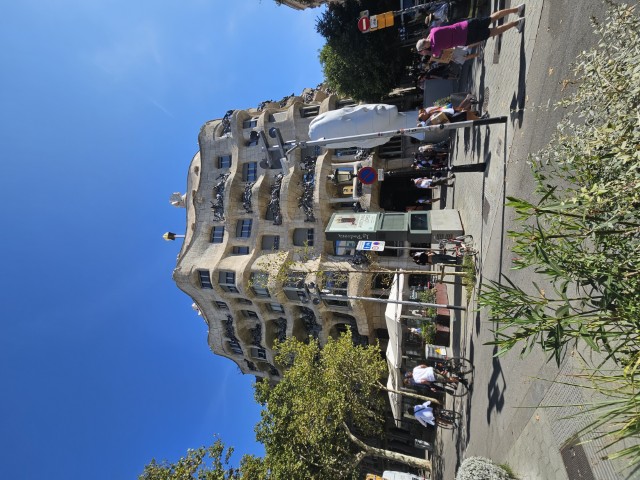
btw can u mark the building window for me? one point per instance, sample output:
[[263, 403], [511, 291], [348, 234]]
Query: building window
[[345, 152], [344, 248], [259, 282], [391, 149], [205, 279], [303, 237], [338, 303], [310, 111], [217, 235], [250, 123], [270, 242], [243, 228], [276, 307], [224, 161], [335, 283], [235, 347], [227, 281], [252, 142], [250, 314], [221, 305], [258, 353], [294, 287], [250, 172], [240, 250], [244, 301]]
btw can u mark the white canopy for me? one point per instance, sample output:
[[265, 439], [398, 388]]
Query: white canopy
[[394, 353]]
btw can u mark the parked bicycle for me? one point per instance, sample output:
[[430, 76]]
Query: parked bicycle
[[450, 377], [446, 418], [434, 415], [461, 245]]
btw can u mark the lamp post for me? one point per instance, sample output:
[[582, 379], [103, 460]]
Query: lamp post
[[323, 295], [170, 236]]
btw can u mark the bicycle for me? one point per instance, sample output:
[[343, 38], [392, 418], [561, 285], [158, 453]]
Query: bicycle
[[455, 368], [461, 245], [458, 366], [454, 371], [446, 418]]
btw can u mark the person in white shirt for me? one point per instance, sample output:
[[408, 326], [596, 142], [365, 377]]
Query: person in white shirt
[[424, 375], [423, 413], [425, 182]]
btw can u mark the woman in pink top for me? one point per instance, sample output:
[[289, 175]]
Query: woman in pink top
[[467, 32]]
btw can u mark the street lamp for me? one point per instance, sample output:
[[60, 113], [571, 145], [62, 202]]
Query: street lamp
[[323, 295], [170, 236]]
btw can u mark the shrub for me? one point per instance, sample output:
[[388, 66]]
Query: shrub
[[582, 234], [480, 468]]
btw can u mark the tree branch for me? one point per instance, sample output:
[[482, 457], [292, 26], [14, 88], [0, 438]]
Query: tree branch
[[409, 394], [387, 454]]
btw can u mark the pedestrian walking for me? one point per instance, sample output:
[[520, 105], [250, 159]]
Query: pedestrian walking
[[468, 32], [426, 200], [421, 258], [424, 182]]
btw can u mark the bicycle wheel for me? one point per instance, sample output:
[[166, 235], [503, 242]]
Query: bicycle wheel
[[459, 389], [447, 418], [466, 250], [459, 366], [455, 389]]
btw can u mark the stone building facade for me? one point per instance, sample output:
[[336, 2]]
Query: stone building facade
[[254, 242], [250, 251]]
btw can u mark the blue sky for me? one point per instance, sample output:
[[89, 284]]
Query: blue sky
[[103, 363]]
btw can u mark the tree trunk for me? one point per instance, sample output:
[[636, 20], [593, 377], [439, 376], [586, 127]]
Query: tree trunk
[[410, 394], [388, 454]]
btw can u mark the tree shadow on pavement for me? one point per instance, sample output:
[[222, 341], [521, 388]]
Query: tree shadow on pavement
[[466, 405], [496, 387], [520, 97], [472, 137]]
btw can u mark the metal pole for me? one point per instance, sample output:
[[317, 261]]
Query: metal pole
[[329, 296], [420, 249]]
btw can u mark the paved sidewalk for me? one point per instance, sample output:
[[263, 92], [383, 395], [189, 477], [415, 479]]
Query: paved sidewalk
[[504, 418]]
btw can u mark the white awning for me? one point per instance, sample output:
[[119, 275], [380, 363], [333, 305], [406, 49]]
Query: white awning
[[394, 353]]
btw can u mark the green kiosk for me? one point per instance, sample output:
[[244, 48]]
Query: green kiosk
[[414, 227]]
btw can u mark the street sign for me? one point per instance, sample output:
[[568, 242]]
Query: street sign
[[370, 246], [380, 174], [367, 175], [363, 24]]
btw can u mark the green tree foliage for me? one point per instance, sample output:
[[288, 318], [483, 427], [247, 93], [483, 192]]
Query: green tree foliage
[[582, 234], [206, 463], [364, 66], [308, 417]]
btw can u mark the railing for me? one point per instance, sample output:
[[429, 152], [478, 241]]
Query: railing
[[256, 335], [274, 202], [226, 122], [246, 197], [217, 205], [281, 329], [228, 329], [309, 320], [305, 202]]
